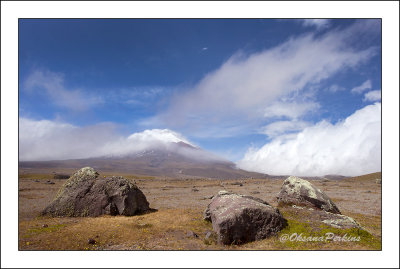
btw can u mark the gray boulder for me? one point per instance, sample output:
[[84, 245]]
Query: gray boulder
[[86, 194], [298, 191], [340, 221], [238, 218]]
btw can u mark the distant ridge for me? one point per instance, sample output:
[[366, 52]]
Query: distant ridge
[[177, 159]]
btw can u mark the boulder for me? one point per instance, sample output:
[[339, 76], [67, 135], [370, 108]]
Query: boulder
[[86, 194], [297, 191], [60, 176], [340, 221], [239, 218], [378, 181]]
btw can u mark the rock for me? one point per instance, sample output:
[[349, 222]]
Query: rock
[[378, 181], [91, 241], [36, 180], [239, 218], [255, 192], [49, 182], [341, 221], [208, 235], [210, 238], [334, 220], [301, 192], [194, 190], [86, 194], [45, 225], [237, 183], [192, 234], [61, 176]]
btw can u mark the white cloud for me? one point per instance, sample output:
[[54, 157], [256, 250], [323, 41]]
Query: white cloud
[[318, 23], [372, 96], [240, 92], [335, 88], [350, 147], [363, 87], [52, 84], [283, 127], [52, 140], [292, 110]]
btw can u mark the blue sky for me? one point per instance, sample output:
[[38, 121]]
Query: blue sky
[[243, 89]]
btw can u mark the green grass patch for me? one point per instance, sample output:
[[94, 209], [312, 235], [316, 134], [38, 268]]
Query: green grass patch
[[302, 236], [35, 231]]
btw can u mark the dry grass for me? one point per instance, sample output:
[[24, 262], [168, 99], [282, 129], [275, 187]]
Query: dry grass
[[180, 210], [167, 230]]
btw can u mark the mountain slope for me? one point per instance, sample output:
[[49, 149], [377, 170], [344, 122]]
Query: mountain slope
[[175, 159]]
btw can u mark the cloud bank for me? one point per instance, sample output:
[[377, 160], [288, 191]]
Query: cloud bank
[[51, 140], [350, 147], [239, 95]]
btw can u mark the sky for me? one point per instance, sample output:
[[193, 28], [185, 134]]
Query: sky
[[277, 96]]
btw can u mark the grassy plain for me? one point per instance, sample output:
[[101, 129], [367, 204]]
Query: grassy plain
[[179, 205]]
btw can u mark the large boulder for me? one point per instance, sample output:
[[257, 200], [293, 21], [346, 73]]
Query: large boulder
[[238, 218], [87, 194], [297, 191]]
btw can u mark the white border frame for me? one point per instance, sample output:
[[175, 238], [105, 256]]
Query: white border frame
[[11, 11]]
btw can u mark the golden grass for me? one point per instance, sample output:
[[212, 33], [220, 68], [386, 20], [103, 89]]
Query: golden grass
[[158, 230], [167, 230]]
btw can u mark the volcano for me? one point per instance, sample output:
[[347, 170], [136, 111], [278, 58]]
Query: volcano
[[172, 159]]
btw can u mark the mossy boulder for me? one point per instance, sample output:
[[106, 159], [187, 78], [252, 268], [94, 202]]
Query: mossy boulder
[[340, 221], [298, 191], [87, 194], [239, 218]]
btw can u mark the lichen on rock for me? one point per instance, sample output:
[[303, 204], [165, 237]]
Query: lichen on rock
[[85, 173], [341, 222], [301, 192]]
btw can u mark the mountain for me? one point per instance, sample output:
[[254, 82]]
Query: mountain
[[173, 159]]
